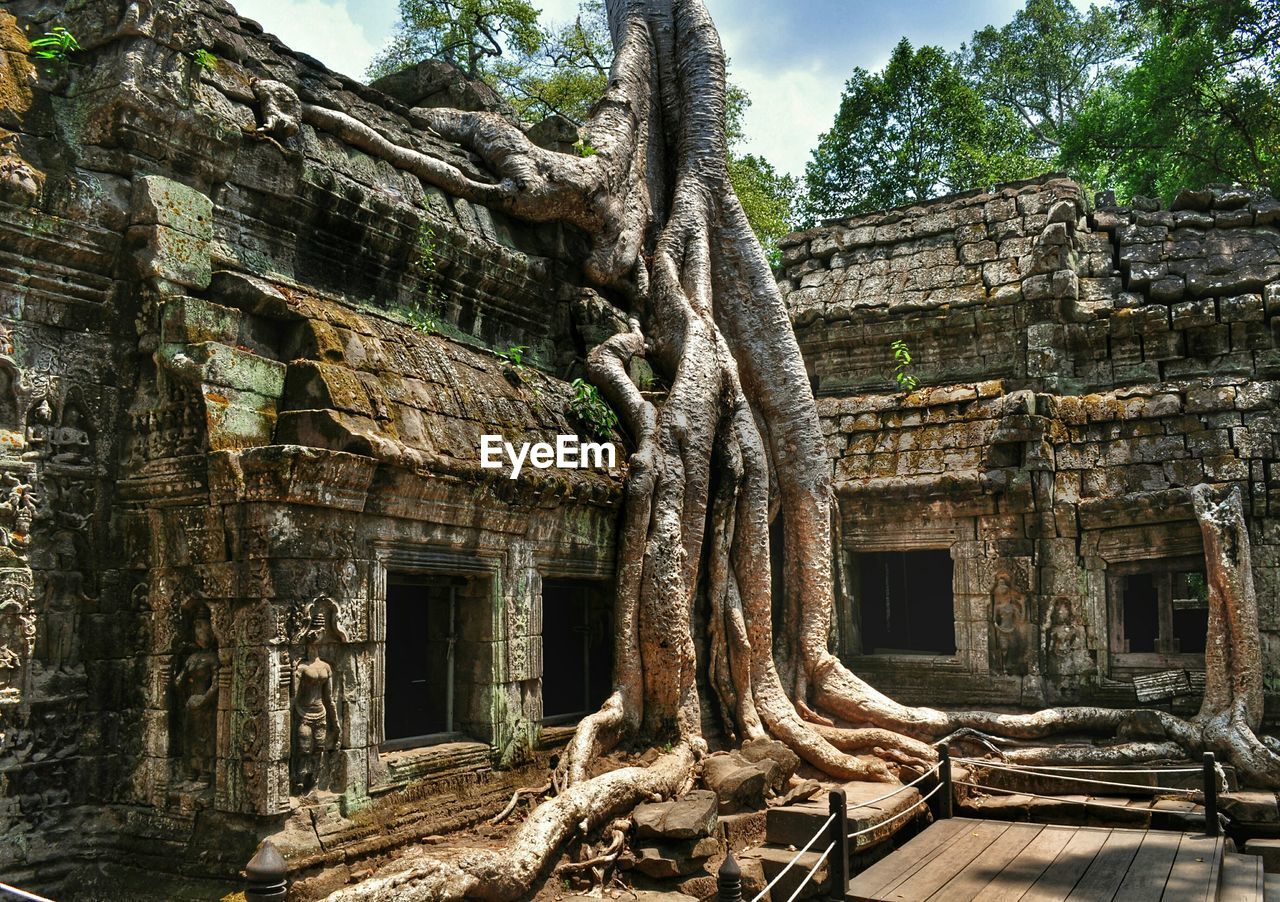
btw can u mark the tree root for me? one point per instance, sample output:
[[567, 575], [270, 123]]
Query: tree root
[[515, 800]]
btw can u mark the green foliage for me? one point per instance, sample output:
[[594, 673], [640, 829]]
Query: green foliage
[[471, 34], [1140, 96], [1045, 64], [425, 318], [769, 199], [582, 147], [590, 409], [566, 74], [205, 60], [514, 356], [425, 315], [914, 131], [1199, 105], [902, 366], [56, 45]]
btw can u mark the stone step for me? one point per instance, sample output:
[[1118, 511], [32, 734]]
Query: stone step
[[1271, 887], [1255, 808], [794, 825], [1268, 850], [774, 859], [1242, 878]]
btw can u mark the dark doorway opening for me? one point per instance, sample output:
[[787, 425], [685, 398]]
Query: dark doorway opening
[[423, 697], [577, 648], [906, 602], [1158, 607]]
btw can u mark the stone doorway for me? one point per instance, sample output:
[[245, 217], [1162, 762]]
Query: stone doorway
[[577, 646], [906, 602], [427, 689]]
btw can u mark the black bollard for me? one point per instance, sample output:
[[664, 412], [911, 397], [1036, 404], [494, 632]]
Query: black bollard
[[945, 794], [838, 863], [729, 881], [264, 875]]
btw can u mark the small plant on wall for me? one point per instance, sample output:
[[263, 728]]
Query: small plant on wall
[[56, 45], [591, 410], [205, 60], [902, 366]]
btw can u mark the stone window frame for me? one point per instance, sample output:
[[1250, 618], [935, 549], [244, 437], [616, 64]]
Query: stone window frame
[[562, 568], [960, 659], [422, 560], [1119, 657]]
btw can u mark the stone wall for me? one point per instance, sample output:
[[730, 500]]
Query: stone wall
[[1078, 370], [243, 381]]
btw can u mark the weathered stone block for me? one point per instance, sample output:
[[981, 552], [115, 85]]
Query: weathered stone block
[[163, 202], [691, 817], [172, 256]]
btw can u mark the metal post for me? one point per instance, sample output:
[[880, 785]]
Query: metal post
[[838, 861], [1211, 825], [945, 794], [729, 880], [264, 875]]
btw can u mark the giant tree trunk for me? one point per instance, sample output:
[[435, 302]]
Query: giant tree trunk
[[735, 443]]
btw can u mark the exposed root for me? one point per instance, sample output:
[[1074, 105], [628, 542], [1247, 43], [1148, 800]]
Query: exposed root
[[515, 800], [506, 876], [617, 836]]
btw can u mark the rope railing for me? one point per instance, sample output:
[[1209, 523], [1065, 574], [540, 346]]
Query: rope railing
[[790, 864], [893, 817], [1036, 771], [809, 876], [1207, 794], [1067, 768], [903, 788], [16, 893]]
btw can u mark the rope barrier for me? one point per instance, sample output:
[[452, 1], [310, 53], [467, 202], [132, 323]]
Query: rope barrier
[[772, 883], [930, 794], [22, 894], [1034, 795], [809, 876], [1089, 767], [1027, 769], [888, 795]]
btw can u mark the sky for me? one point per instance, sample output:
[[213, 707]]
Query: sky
[[791, 56]]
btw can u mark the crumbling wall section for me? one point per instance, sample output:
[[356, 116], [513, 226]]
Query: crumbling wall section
[[1079, 370]]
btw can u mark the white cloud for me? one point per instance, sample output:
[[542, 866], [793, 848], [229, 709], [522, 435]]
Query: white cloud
[[322, 28], [789, 110], [556, 11]]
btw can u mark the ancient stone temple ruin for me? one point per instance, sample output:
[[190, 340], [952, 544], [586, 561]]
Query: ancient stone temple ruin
[[254, 580], [1018, 530]]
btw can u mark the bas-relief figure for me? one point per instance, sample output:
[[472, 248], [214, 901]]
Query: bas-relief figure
[[1067, 658], [1009, 627], [316, 728], [197, 692]]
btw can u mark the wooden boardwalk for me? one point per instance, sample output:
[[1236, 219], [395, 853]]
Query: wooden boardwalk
[[964, 859]]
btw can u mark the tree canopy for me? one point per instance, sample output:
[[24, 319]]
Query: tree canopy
[[471, 34], [1140, 96], [915, 130]]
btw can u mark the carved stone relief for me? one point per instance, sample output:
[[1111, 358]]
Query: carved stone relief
[[316, 728], [1010, 626], [196, 684]]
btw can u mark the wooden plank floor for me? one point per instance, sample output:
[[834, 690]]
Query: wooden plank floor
[[971, 860]]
